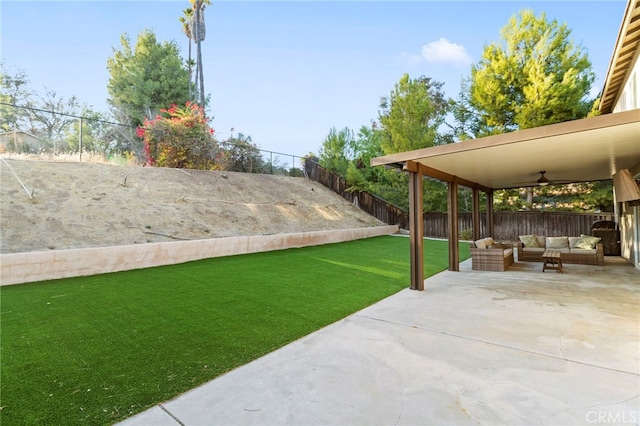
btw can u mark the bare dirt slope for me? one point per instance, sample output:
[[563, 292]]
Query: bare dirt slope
[[95, 204]]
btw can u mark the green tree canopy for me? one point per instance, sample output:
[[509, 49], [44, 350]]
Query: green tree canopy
[[146, 78], [240, 154], [535, 76], [337, 150], [412, 114]]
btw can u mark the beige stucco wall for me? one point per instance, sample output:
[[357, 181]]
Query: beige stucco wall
[[45, 265]]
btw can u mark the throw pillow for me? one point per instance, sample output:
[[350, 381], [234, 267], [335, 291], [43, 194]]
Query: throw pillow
[[573, 241], [557, 242], [481, 244], [587, 242], [529, 240]]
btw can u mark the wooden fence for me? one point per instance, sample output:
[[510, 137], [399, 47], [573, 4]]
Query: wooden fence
[[507, 225], [372, 204]]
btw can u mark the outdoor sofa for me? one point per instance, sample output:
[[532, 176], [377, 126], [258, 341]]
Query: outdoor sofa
[[584, 249], [486, 255]]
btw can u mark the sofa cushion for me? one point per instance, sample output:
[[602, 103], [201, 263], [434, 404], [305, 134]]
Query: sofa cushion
[[541, 240], [573, 241], [507, 252], [534, 249], [586, 242], [582, 251], [529, 240], [557, 242]]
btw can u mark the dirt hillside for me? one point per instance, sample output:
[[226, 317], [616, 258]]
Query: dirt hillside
[[95, 204]]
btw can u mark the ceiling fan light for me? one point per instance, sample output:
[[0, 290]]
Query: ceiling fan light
[[542, 180]]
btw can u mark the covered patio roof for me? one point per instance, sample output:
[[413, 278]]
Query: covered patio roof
[[589, 149], [583, 150]]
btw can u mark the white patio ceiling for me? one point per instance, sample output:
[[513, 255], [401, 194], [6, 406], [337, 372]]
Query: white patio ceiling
[[583, 150]]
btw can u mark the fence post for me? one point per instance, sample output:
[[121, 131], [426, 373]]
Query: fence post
[[80, 140]]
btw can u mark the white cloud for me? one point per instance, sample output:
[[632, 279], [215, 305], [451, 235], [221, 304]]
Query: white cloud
[[444, 51]]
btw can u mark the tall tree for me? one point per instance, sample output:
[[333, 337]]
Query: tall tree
[[337, 150], [98, 134], [146, 78], [185, 20], [240, 154], [412, 114], [51, 115], [198, 33], [535, 76], [13, 91]]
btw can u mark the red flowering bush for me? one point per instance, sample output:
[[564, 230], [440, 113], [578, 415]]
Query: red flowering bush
[[180, 138]]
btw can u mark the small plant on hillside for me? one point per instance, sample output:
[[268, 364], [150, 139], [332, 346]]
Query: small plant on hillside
[[181, 138]]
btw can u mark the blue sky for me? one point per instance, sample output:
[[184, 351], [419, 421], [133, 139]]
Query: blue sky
[[285, 72]]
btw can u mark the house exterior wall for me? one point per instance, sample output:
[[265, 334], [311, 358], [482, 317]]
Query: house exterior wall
[[18, 141], [630, 97], [629, 222]]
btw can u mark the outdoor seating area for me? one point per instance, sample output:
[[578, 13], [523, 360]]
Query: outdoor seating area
[[585, 250], [488, 255]]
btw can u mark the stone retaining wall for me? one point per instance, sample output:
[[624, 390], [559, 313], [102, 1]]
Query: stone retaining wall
[[46, 265]]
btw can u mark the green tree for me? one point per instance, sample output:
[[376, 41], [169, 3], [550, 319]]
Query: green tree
[[13, 91], [412, 114], [146, 78], [466, 120], [535, 76], [51, 115], [367, 145], [98, 135], [240, 154], [337, 150]]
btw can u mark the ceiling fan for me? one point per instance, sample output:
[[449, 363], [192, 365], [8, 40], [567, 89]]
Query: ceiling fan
[[543, 181]]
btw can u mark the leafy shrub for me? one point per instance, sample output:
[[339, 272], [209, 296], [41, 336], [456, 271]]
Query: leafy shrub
[[182, 138]]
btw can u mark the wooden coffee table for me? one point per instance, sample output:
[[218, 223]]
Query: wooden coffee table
[[552, 260]]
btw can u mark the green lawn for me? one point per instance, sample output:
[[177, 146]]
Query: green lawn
[[95, 350]]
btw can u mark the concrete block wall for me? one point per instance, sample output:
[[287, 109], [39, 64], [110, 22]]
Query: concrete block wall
[[20, 268]]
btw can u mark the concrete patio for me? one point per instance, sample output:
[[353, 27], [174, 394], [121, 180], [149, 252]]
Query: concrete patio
[[516, 347]]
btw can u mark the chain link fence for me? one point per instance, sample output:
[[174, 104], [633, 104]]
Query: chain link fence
[[29, 131]]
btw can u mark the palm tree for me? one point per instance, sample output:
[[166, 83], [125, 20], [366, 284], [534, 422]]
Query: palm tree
[[186, 29], [198, 33]]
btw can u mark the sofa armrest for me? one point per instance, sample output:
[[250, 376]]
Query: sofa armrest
[[600, 254]]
